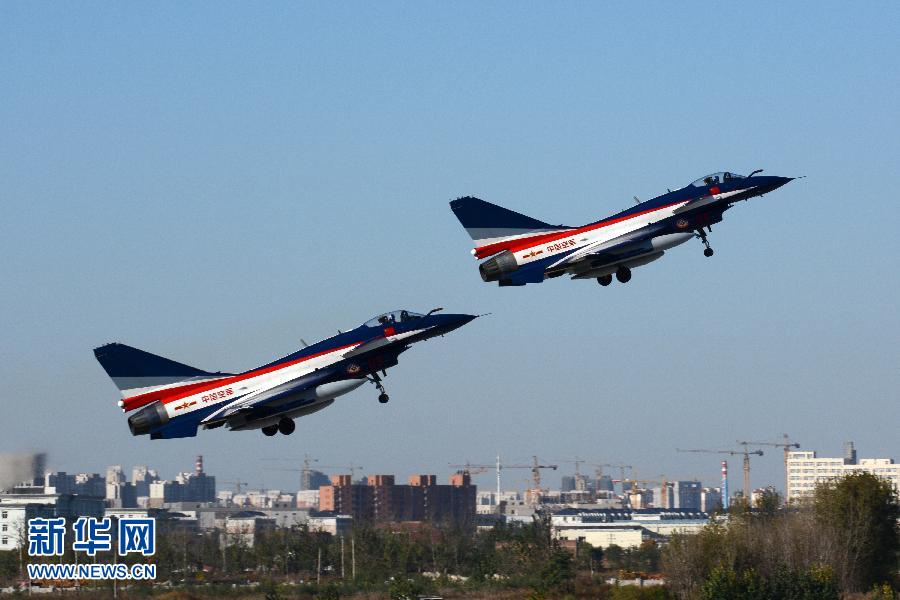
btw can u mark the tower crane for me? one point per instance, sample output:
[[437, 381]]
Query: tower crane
[[470, 469], [500, 466], [787, 444], [745, 453], [580, 481], [237, 485], [307, 467]]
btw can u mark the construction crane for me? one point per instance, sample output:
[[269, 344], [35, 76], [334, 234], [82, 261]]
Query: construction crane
[[307, 467], [787, 444], [500, 466], [470, 469], [237, 485], [580, 481], [621, 467], [745, 453]]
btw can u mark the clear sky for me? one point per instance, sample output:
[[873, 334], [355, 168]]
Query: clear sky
[[214, 181]]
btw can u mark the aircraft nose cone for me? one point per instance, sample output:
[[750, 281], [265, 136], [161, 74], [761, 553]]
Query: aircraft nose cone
[[780, 181], [457, 321], [770, 183], [451, 322]]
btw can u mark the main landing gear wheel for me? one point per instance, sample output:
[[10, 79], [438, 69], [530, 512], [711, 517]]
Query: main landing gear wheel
[[383, 398], [286, 426], [707, 252], [623, 274], [605, 280], [270, 430]]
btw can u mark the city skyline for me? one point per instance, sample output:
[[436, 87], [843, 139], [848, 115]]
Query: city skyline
[[291, 477], [216, 187]]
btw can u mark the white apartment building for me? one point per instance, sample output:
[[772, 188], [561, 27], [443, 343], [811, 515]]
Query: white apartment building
[[806, 470]]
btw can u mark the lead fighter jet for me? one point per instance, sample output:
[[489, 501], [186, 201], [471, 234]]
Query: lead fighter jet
[[525, 250], [174, 399]]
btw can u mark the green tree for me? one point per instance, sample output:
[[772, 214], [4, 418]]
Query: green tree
[[859, 513]]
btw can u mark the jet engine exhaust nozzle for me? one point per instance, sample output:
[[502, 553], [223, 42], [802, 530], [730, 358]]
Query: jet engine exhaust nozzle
[[151, 416], [494, 268]]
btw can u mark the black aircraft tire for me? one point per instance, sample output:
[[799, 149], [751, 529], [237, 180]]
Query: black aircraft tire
[[270, 430], [383, 398], [623, 274], [605, 280], [286, 426], [708, 252]]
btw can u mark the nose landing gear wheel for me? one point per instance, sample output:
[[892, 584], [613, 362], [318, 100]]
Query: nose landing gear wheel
[[286, 426], [382, 396], [708, 252], [623, 274], [605, 280], [270, 430]]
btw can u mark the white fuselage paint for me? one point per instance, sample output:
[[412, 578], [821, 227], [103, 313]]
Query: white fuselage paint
[[585, 241], [237, 393]]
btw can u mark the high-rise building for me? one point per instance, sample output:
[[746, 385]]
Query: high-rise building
[[568, 483], [605, 484], [119, 493], [142, 477], [310, 479], [806, 470], [710, 499], [381, 499], [685, 495]]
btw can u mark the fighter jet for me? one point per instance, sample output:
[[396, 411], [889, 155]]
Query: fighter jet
[[173, 400], [524, 250]]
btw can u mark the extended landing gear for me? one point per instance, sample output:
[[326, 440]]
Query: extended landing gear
[[707, 252], [623, 274], [382, 396], [286, 426]]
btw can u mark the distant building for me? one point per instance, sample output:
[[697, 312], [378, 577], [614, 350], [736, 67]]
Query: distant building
[[806, 470], [338, 525], [568, 483], [686, 495], [605, 484], [142, 477], [119, 493], [196, 487], [308, 499], [626, 528], [83, 484], [710, 499], [380, 499], [310, 479], [16, 509], [244, 528]]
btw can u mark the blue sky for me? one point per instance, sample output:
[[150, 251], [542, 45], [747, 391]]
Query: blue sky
[[213, 182]]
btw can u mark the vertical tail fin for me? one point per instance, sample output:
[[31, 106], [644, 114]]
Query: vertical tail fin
[[493, 227]]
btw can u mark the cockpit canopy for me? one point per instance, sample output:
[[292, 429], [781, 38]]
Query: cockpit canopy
[[716, 178], [395, 316]]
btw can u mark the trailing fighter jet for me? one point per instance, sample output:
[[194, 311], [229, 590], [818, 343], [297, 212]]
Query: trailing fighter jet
[[175, 399], [525, 250]]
